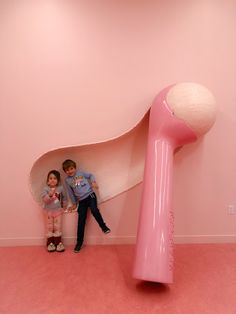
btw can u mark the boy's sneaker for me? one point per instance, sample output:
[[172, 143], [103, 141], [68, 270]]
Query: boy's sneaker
[[51, 247], [77, 248], [60, 247], [106, 230]]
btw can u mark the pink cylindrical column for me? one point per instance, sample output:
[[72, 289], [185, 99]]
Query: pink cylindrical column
[[154, 253], [154, 246]]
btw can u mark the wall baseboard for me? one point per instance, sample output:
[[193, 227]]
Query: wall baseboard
[[208, 238], [112, 240]]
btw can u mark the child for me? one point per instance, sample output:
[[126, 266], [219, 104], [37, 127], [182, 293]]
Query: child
[[80, 189], [54, 199]]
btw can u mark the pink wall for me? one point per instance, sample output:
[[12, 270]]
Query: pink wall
[[73, 72]]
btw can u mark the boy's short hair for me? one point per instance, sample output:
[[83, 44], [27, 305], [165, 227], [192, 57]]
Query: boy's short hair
[[68, 163]]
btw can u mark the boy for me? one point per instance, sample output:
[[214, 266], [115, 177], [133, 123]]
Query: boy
[[80, 188]]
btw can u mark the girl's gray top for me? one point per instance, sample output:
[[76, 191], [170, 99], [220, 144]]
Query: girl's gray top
[[55, 202]]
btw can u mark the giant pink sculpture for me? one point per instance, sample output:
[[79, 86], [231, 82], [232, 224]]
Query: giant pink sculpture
[[179, 115]]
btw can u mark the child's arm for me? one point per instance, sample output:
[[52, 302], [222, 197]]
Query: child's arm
[[92, 179], [64, 199], [48, 196], [71, 193], [66, 205]]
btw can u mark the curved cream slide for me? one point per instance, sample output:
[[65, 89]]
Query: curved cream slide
[[117, 163]]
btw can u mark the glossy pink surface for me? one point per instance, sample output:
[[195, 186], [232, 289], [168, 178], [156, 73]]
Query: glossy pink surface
[[154, 247]]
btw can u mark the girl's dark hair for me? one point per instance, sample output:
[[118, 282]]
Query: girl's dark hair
[[56, 174], [68, 163]]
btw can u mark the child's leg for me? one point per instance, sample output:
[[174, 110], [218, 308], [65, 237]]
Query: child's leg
[[82, 215], [49, 233], [96, 213], [57, 233]]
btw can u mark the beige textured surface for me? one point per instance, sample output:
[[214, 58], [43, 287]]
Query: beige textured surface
[[194, 104]]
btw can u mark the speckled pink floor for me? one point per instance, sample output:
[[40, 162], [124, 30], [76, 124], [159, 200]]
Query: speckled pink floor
[[99, 280]]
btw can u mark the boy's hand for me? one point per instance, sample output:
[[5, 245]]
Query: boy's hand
[[94, 185], [73, 208], [70, 209]]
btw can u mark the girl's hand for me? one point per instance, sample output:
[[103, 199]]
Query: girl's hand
[[51, 192]]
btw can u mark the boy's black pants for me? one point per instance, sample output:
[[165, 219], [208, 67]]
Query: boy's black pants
[[88, 202]]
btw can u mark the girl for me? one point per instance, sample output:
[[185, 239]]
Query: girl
[[54, 199]]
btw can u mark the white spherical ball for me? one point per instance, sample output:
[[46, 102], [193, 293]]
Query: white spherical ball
[[194, 104]]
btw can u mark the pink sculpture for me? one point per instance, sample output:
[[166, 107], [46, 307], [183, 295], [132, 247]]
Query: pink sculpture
[[179, 115]]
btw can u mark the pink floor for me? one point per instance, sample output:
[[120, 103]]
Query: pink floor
[[98, 280]]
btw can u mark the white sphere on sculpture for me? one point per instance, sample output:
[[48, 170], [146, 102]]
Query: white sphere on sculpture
[[194, 104]]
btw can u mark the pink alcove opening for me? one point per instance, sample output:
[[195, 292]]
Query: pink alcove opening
[[116, 163]]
